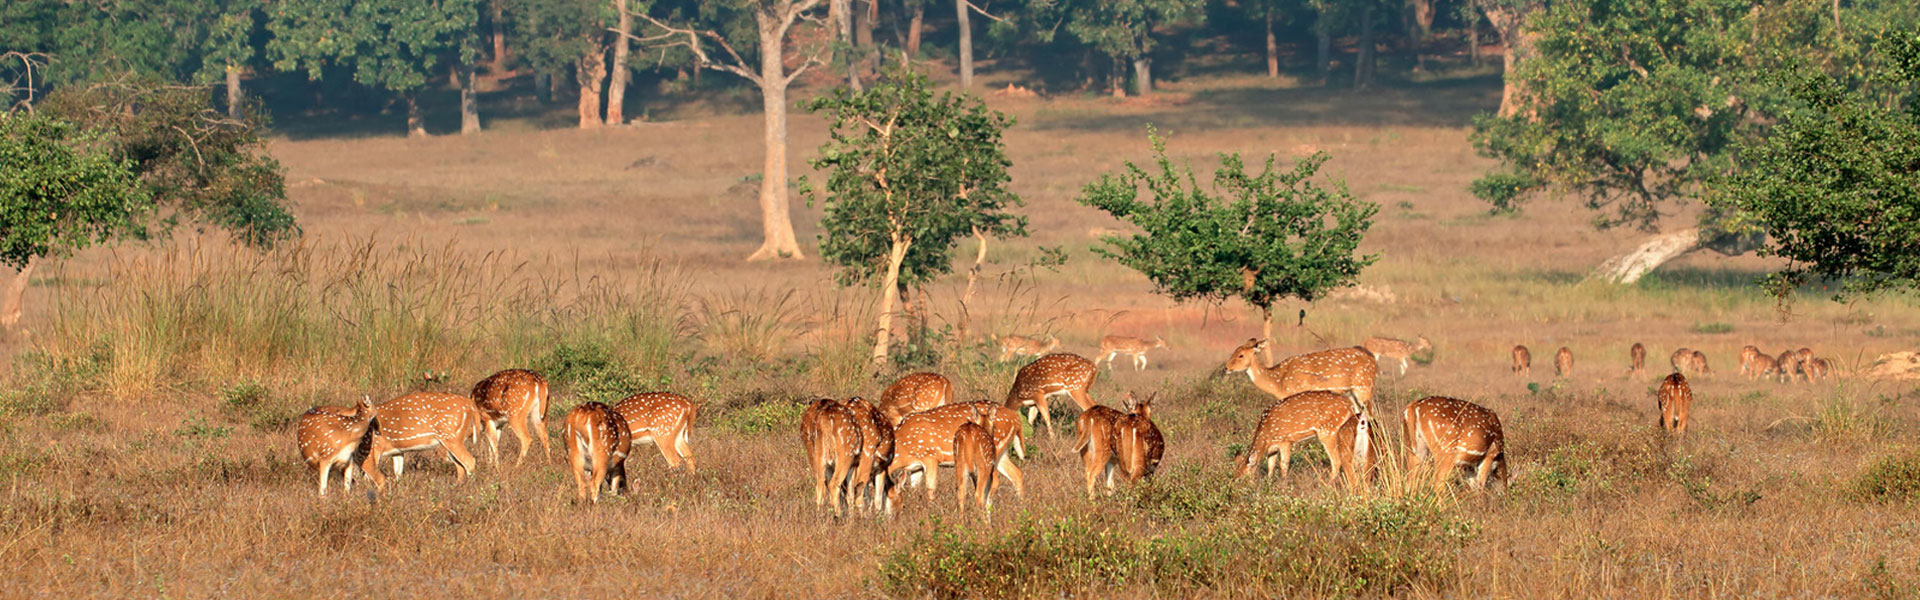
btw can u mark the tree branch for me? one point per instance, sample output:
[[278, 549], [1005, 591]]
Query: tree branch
[[692, 43]]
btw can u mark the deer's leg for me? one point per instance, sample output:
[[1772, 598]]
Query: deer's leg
[[932, 472], [463, 462], [326, 469], [493, 440], [1012, 473], [518, 423]]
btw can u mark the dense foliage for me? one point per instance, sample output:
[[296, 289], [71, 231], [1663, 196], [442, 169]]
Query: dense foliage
[[60, 190]]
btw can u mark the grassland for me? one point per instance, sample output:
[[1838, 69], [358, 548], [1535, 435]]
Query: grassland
[[144, 448]]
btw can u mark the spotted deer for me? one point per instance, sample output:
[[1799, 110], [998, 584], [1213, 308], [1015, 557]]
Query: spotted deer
[[1020, 345], [423, 421], [833, 444], [1522, 361], [1818, 370], [913, 393], [1353, 445], [1563, 362], [1675, 398], [1339, 370], [1110, 441], [1747, 356], [1452, 433], [1048, 376], [516, 398], [876, 454], [597, 442], [1697, 361], [924, 442], [1765, 367], [1637, 357], [973, 457], [1789, 366], [1316, 413], [664, 419], [1390, 348], [1681, 360], [331, 435], [1115, 345]]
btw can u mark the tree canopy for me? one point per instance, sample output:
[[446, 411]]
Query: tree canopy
[[60, 189]]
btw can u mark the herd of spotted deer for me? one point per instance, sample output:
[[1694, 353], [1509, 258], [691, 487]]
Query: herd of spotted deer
[[864, 454]]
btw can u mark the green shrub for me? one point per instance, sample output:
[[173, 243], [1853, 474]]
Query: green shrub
[[1893, 478], [763, 417], [1714, 327]]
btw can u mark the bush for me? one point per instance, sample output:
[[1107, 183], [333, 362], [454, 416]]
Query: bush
[[1891, 479], [763, 417], [1714, 327]]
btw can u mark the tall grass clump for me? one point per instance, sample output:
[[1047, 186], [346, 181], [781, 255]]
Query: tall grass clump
[[1894, 478]]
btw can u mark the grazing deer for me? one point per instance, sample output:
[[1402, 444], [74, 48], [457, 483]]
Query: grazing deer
[[664, 419], [1638, 358], [1680, 360], [1522, 361], [1110, 441], [423, 421], [1048, 376], [1340, 369], [876, 454], [598, 442], [1020, 345], [1766, 367], [331, 435], [1800, 359], [973, 457], [1353, 444], [914, 393], [518, 399], [1316, 413], [833, 442], [1818, 370], [1747, 356], [1383, 347], [1563, 362], [924, 442], [1675, 398], [1789, 362], [1114, 345], [1455, 433], [1698, 362]]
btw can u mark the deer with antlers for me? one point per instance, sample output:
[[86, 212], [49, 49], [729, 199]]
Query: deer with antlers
[[876, 454], [1522, 361], [833, 442], [1398, 350], [974, 454], [423, 421], [1052, 375], [1674, 398], [598, 441], [1637, 360], [1340, 369], [1451, 433], [1316, 413], [332, 435], [516, 398], [664, 419], [1110, 441], [1116, 345], [924, 442], [1023, 346], [913, 393]]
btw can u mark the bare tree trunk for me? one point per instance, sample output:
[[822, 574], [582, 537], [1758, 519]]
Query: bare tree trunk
[[1273, 49], [973, 276], [1630, 267], [966, 44], [499, 38], [1323, 46], [841, 12], [863, 28], [1363, 60], [416, 122], [1473, 40], [235, 98], [1511, 25], [889, 293], [469, 101], [617, 82], [915, 25], [592, 69], [776, 223], [1422, 13], [1142, 75], [16, 293], [1117, 77]]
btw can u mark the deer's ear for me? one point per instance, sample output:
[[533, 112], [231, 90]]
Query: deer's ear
[[1259, 344]]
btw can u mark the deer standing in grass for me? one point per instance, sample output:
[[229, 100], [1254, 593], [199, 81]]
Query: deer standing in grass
[[1818, 370], [516, 398], [1522, 361], [598, 442], [876, 454], [1316, 413], [833, 442], [1789, 362], [974, 454], [1747, 356], [1115, 345], [913, 393], [1353, 445], [331, 435], [924, 442], [1020, 345], [1563, 362], [663, 419], [1340, 369], [1048, 376], [1675, 398], [1390, 348], [1680, 360], [1110, 441], [1765, 367], [1452, 433], [1698, 362], [1638, 358], [423, 421]]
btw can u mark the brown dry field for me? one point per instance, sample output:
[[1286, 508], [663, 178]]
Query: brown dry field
[[1751, 504]]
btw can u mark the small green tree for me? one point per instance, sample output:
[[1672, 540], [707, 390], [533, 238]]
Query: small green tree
[[60, 189], [1262, 237], [1838, 182], [909, 175]]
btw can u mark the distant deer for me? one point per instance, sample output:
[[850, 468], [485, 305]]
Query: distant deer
[[974, 455], [1390, 348], [1019, 345], [1115, 345], [876, 454], [597, 442], [331, 435], [1454, 433], [1789, 362], [1338, 370], [1522, 361], [1638, 356], [1563, 362], [1675, 398], [1316, 413], [1681, 360], [833, 443], [1800, 359], [924, 442], [1765, 367], [1818, 370], [1698, 362], [516, 398], [913, 393], [423, 421], [1747, 356], [664, 419], [1110, 441], [1048, 376]]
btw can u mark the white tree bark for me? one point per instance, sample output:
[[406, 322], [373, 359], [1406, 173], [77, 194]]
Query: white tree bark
[[16, 292], [1628, 268]]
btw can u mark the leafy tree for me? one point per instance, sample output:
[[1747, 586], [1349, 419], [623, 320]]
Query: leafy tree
[[1262, 237], [554, 35], [393, 45], [1838, 182], [909, 175], [60, 189], [1123, 29]]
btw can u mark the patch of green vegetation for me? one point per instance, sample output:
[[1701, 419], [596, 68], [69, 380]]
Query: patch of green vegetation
[[199, 428], [591, 372], [471, 221], [1894, 478], [78, 421], [1712, 327], [764, 417]]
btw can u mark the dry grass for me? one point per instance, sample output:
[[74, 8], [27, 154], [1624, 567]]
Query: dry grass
[[143, 448]]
